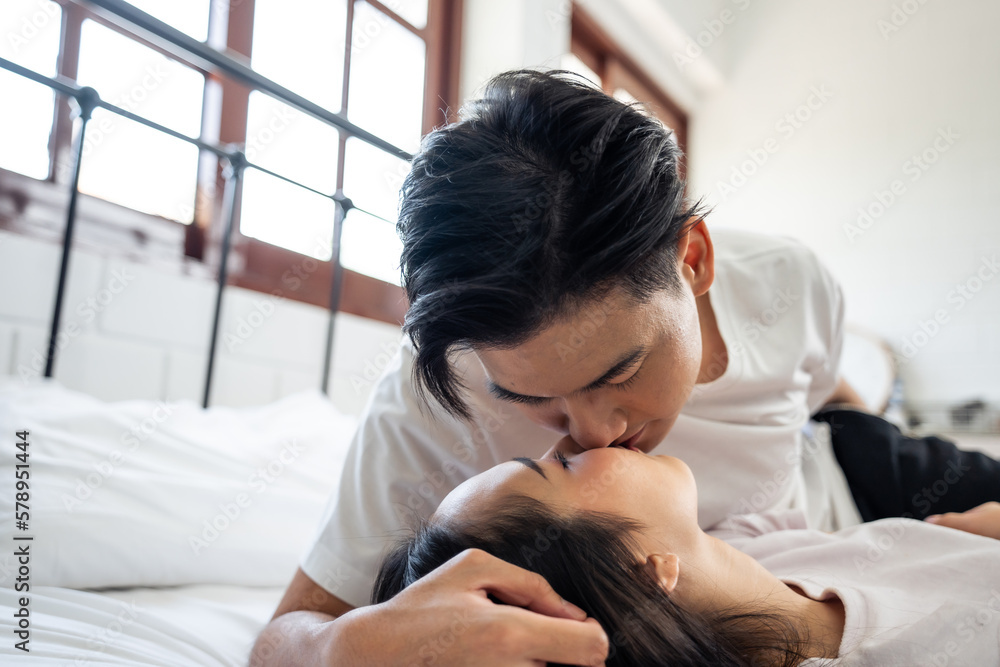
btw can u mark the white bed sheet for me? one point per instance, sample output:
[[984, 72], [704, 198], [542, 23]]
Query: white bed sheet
[[174, 601], [215, 616], [210, 625]]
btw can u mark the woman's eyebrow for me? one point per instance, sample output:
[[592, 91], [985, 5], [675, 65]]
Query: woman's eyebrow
[[531, 464]]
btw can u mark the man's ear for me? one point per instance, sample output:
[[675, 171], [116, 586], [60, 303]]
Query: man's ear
[[696, 257], [665, 570]]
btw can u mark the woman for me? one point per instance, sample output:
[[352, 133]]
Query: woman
[[895, 591]]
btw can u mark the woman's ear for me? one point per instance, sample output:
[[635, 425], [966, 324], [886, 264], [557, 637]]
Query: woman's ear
[[665, 570]]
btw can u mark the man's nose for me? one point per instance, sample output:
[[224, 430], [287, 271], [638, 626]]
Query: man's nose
[[592, 425], [571, 445], [568, 447]]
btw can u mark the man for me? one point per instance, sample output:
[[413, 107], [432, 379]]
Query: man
[[562, 296]]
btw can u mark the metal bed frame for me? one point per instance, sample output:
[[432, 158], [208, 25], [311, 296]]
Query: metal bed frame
[[173, 41]]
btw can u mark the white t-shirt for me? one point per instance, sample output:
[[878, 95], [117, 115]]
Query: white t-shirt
[[915, 594], [780, 315]]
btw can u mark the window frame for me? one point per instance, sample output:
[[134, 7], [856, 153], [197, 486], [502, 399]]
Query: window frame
[[263, 263], [193, 248], [616, 69]]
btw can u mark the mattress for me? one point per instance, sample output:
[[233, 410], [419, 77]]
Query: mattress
[[183, 625]]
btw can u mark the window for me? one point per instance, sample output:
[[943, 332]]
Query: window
[[287, 141], [31, 39], [388, 66], [188, 16], [373, 179], [117, 153], [386, 77], [298, 146], [376, 78], [596, 56]]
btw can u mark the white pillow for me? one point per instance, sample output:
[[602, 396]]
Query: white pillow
[[142, 493]]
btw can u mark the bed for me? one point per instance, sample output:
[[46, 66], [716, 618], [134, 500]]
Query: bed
[[177, 549], [161, 533]]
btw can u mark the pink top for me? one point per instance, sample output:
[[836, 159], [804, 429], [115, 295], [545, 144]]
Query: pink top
[[915, 594]]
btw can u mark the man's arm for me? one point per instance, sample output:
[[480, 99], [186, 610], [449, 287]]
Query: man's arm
[[301, 629], [445, 617], [401, 462]]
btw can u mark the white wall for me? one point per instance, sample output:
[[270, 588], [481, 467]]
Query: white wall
[[889, 97], [884, 95], [509, 34], [893, 86], [138, 332]]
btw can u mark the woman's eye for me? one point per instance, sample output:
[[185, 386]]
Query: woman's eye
[[562, 460]]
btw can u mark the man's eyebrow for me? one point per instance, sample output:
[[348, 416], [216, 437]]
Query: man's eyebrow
[[507, 395], [531, 464]]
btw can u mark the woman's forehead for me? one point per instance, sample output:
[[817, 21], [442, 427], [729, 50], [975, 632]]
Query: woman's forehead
[[481, 492]]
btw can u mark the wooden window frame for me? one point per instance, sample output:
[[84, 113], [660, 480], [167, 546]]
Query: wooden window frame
[[265, 264], [616, 69], [192, 248]]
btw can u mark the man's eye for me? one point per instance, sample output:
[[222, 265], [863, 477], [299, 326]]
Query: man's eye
[[627, 383]]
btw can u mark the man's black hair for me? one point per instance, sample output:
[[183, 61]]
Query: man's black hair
[[546, 194]]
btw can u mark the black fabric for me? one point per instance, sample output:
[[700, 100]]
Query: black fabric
[[892, 475]]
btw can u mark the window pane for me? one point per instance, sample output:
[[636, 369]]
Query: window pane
[[135, 166], [369, 245], [387, 78], [372, 178], [188, 16], [286, 215], [414, 11], [291, 143], [30, 30], [139, 79], [300, 44], [128, 163]]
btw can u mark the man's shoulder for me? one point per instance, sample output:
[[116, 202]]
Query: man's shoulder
[[750, 262], [740, 246]]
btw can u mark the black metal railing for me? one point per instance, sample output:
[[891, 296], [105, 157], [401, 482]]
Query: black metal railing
[[173, 41]]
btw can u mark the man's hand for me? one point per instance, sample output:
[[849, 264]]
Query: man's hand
[[447, 619], [983, 520]]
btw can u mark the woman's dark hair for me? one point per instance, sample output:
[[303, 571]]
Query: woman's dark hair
[[590, 559], [546, 194]]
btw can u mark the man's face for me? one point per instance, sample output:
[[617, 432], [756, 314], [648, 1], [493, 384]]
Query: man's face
[[612, 372]]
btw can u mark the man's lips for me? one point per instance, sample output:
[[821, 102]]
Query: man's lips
[[629, 443]]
